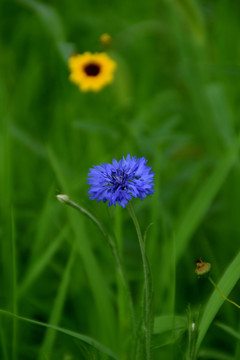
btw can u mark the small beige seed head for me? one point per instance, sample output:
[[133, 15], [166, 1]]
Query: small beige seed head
[[63, 198]]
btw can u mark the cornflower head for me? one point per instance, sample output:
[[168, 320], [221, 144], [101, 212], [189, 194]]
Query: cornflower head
[[118, 182]]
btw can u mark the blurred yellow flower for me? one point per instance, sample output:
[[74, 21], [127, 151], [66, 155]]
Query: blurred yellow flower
[[91, 72], [105, 39]]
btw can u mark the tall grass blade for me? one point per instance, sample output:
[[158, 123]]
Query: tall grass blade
[[205, 195], [38, 267], [3, 342], [147, 323], [164, 323], [27, 140], [45, 232], [226, 284], [98, 284], [55, 316], [191, 12], [222, 115], [49, 18], [86, 339], [229, 330], [214, 354], [14, 289]]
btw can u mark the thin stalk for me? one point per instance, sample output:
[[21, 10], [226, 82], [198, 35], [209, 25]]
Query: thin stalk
[[147, 328], [66, 200], [222, 295], [121, 298], [14, 289]]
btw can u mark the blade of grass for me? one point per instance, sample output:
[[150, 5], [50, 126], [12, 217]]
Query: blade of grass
[[166, 323], [44, 228], [116, 251], [98, 284], [14, 288], [3, 342], [86, 339], [232, 332], [222, 115], [226, 284], [147, 323], [229, 330], [191, 12], [121, 300], [214, 354], [55, 316], [38, 267], [5, 205], [49, 18], [205, 195], [53, 25], [27, 140]]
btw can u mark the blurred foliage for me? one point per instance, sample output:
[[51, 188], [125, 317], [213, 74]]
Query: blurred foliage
[[176, 101]]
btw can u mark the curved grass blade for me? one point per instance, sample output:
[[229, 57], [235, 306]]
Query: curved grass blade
[[197, 209], [147, 323], [214, 355], [57, 308], [97, 281], [229, 330], [3, 342], [53, 25], [37, 268], [166, 323], [66, 200], [226, 284], [49, 18], [14, 288], [86, 339]]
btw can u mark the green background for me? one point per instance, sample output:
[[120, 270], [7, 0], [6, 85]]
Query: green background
[[175, 100]]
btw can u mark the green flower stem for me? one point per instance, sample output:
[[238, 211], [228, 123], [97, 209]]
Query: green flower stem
[[66, 200], [121, 298], [147, 328], [222, 295]]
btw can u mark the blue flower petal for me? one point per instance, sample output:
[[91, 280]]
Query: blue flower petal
[[118, 182]]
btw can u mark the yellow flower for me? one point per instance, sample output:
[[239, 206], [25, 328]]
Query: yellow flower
[[91, 72], [105, 39]]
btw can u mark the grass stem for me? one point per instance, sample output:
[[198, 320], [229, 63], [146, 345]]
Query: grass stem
[[147, 328], [66, 200], [222, 295]]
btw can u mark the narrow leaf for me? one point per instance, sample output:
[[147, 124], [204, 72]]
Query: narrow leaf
[[58, 306], [38, 267], [166, 323], [86, 339], [229, 330], [226, 284], [205, 195]]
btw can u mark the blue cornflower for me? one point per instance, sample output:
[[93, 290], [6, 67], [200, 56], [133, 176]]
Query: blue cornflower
[[119, 181]]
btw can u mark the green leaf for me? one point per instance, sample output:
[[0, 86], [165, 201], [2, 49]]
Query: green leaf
[[229, 330], [39, 265], [166, 323], [57, 308], [205, 195], [226, 284], [86, 339], [214, 354], [49, 18]]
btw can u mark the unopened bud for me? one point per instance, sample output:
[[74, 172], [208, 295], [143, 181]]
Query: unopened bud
[[63, 198]]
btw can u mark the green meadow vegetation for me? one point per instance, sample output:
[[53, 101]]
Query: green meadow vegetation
[[72, 280]]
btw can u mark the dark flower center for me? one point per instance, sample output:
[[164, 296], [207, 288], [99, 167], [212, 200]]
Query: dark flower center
[[119, 177], [92, 69]]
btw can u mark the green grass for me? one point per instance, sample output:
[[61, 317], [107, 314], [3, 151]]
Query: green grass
[[65, 277]]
